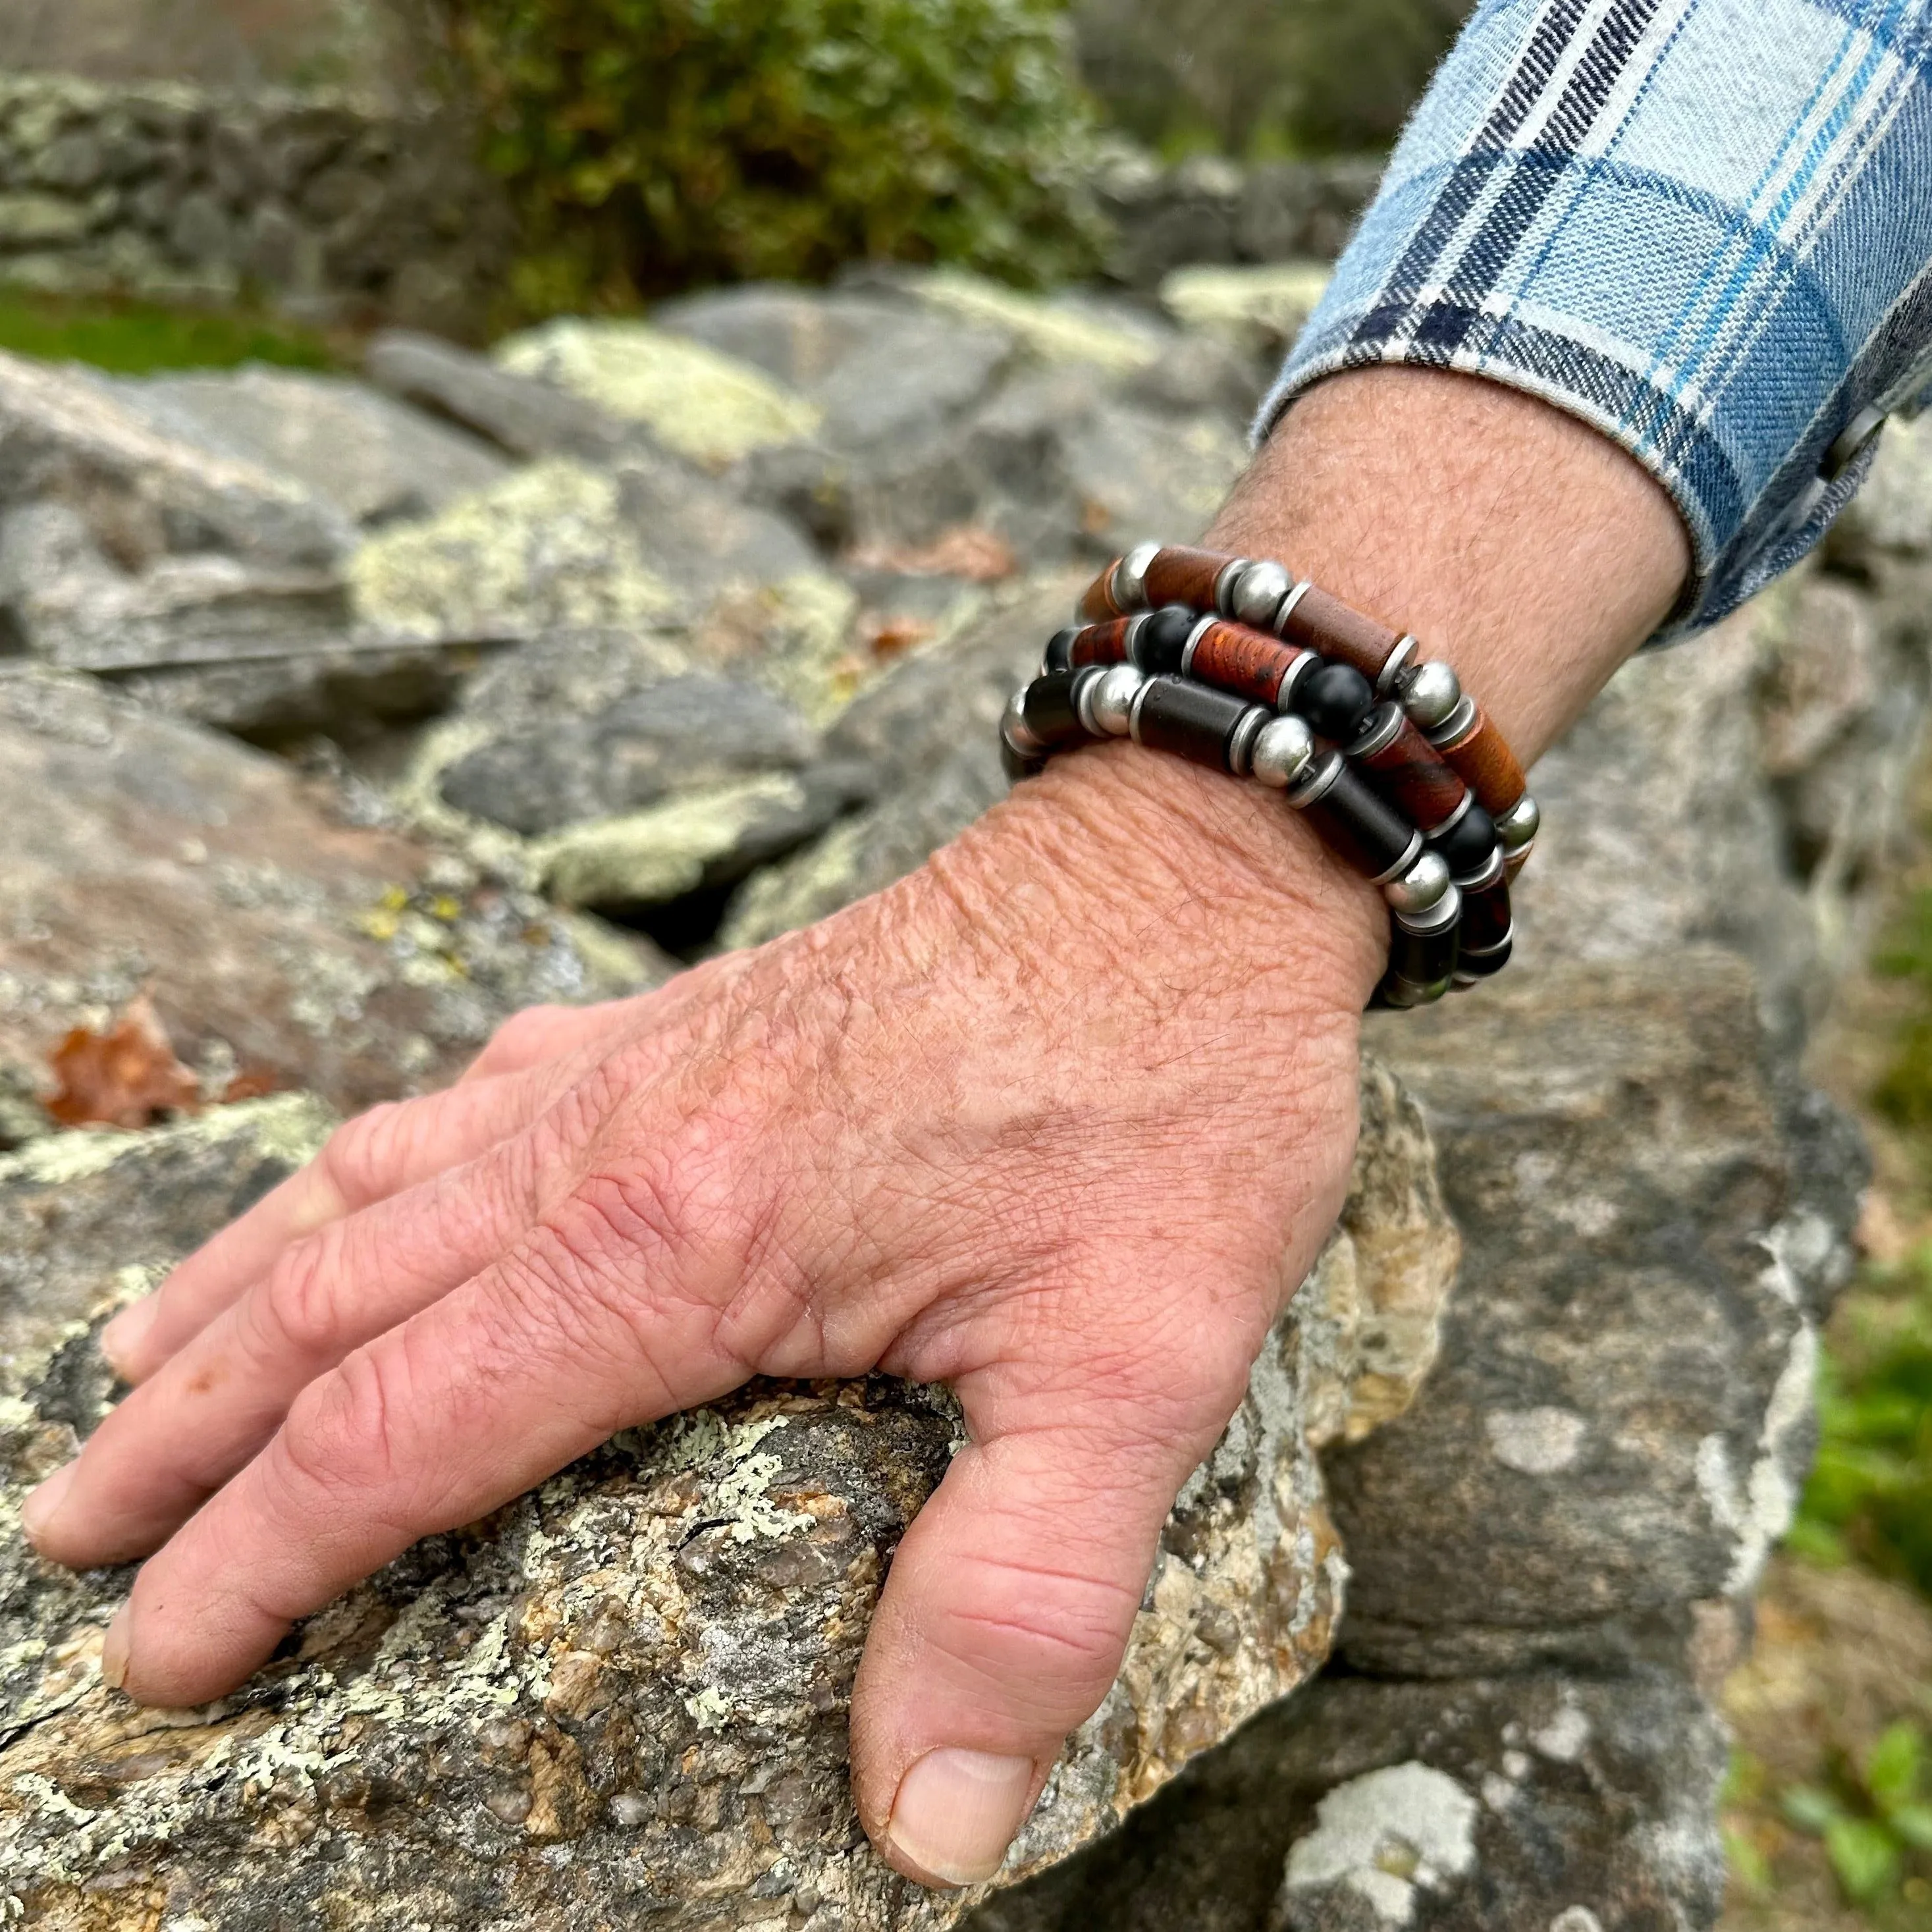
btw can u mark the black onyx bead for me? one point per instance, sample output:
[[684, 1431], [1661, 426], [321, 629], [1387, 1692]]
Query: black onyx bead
[[1466, 846], [1048, 712], [1195, 721], [1060, 650], [1335, 699], [1159, 642]]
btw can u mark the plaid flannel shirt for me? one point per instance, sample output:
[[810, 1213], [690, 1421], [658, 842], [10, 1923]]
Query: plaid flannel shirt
[[1702, 225]]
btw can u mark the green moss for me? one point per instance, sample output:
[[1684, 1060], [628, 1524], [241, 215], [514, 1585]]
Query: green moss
[[132, 338], [653, 144]]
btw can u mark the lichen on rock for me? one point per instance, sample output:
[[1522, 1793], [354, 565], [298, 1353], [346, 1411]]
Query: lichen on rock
[[626, 1692]]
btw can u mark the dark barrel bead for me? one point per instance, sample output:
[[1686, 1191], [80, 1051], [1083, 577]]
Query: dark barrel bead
[[1017, 766], [1471, 967], [1194, 720], [1048, 713], [1324, 624], [1159, 642], [1399, 761], [1103, 643], [1466, 847], [1486, 909], [1422, 959], [1059, 653], [1334, 698], [1237, 657], [1366, 831]]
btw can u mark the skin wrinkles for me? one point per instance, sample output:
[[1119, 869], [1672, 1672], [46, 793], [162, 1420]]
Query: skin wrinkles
[[1061, 1119]]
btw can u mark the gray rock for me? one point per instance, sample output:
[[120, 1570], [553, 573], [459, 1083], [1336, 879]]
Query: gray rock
[[274, 939], [877, 366], [63, 433], [561, 545], [1621, 1419], [370, 457], [642, 775], [263, 653], [1515, 1805], [520, 415], [628, 1693], [1745, 789], [929, 731]]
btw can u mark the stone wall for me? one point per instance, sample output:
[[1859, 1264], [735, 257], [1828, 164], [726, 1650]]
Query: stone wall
[[338, 208], [325, 205]]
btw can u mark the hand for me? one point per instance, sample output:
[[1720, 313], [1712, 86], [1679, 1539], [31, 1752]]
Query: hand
[[1060, 1120]]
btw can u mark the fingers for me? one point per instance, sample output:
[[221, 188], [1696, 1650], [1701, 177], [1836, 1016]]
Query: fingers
[[1005, 1618], [378, 1154], [207, 1410], [584, 1328]]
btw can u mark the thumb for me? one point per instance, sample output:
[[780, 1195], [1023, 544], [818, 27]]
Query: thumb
[[1004, 1620]]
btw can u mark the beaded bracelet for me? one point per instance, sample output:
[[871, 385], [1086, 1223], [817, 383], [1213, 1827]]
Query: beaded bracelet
[[1232, 663]]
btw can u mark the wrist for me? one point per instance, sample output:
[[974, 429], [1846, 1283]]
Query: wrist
[[1186, 875]]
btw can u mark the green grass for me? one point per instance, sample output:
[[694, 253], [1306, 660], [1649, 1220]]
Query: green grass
[[131, 338]]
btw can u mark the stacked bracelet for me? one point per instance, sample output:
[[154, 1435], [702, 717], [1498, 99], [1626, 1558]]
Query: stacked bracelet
[[1231, 662]]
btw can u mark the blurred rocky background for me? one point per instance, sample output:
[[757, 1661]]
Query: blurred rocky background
[[498, 501]]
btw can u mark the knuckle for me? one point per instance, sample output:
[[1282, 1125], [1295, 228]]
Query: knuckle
[[523, 1036], [1050, 1639], [358, 1158], [295, 1310], [340, 1433]]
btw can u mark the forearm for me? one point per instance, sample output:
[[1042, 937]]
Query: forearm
[[1518, 545]]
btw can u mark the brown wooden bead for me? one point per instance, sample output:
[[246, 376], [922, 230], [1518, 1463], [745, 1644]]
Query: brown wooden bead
[[1479, 756], [1102, 644], [1323, 623], [1097, 602], [1409, 771], [1237, 657], [1179, 575]]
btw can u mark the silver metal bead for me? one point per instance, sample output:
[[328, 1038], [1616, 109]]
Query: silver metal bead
[[1430, 693], [1258, 593], [1278, 624], [1110, 703], [1241, 741], [1086, 682], [1013, 729], [1517, 826], [1441, 913], [1230, 574], [1317, 780], [1283, 748], [1129, 584], [1389, 678], [1452, 727], [1421, 887]]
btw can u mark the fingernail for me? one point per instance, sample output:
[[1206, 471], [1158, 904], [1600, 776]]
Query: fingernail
[[114, 1648], [44, 1503], [957, 1812], [121, 1340]]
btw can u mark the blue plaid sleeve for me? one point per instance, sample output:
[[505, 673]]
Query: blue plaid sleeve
[[1702, 225]]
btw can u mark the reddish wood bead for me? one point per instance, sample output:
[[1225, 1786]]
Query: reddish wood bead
[[1179, 575], [1238, 658], [1326, 624], [1479, 756], [1407, 769], [1102, 644], [1097, 602]]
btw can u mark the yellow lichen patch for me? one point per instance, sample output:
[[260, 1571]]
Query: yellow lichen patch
[[548, 548], [708, 406], [1054, 334]]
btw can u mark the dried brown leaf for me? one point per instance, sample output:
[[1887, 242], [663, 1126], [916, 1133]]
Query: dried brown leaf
[[127, 1077]]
